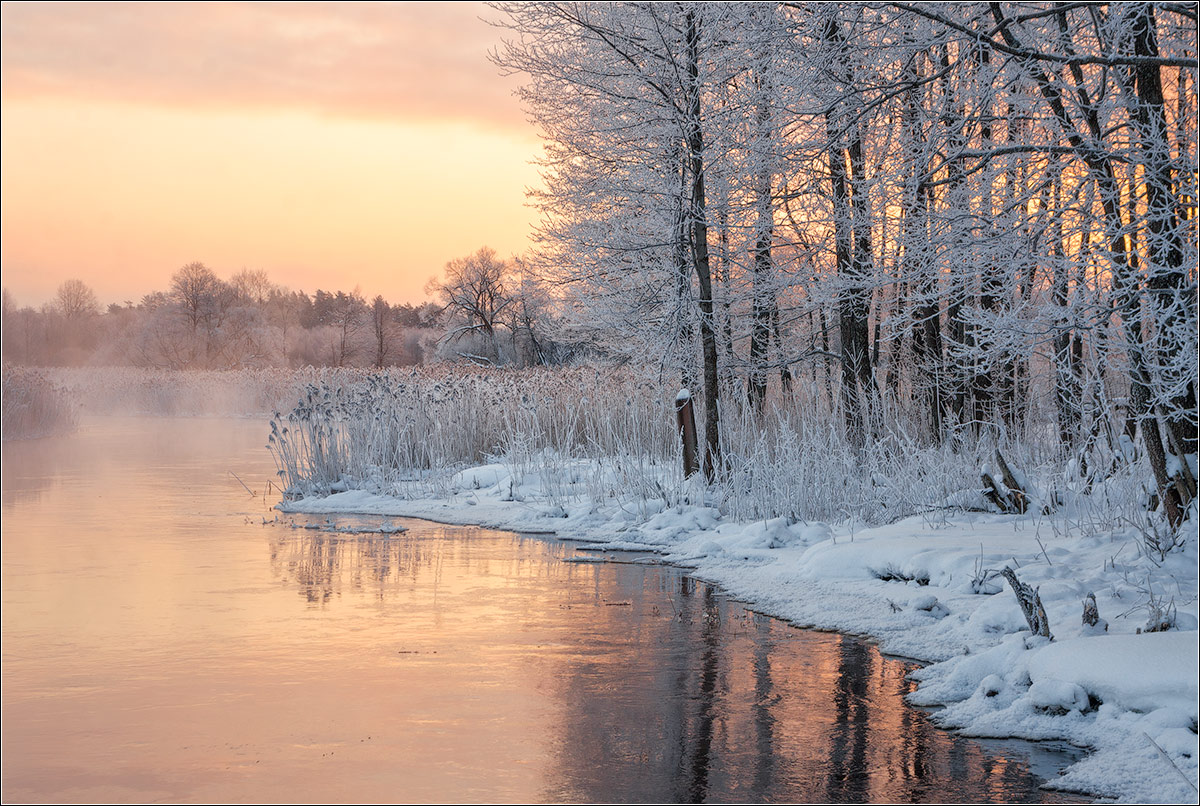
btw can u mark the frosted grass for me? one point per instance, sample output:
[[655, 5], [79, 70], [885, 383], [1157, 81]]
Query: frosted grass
[[33, 406], [606, 435]]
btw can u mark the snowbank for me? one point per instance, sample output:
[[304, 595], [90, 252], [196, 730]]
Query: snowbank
[[926, 588]]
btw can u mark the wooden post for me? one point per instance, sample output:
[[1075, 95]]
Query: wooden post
[[685, 422]]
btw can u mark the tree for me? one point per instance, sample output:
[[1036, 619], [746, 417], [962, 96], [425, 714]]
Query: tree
[[252, 286], [384, 330], [472, 291], [345, 315], [198, 293], [622, 92], [75, 300]]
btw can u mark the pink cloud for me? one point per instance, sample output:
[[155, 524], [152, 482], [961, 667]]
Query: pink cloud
[[397, 61]]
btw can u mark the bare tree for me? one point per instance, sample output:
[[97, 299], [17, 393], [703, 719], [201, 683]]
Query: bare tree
[[198, 293], [473, 292], [252, 286], [345, 316], [384, 331], [75, 300]]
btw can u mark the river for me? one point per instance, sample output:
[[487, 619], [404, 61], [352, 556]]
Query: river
[[166, 639]]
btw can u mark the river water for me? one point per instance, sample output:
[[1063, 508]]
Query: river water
[[160, 642]]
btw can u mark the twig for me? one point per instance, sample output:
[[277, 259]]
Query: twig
[[235, 475], [1044, 554], [1170, 761]]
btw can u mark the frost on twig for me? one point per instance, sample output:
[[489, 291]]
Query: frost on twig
[[1031, 604]]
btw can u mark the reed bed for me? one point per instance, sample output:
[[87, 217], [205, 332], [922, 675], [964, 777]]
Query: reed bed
[[397, 426], [33, 406], [597, 435], [605, 435]]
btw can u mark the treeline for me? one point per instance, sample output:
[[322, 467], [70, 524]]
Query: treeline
[[204, 322], [953, 221], [486, 313]]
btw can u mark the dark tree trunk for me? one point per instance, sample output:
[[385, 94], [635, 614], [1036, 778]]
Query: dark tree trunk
[[1170, 293], [708, 340], [764, 291], [849, 247], [927, 328]]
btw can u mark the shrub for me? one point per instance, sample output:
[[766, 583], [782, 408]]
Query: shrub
[[33, 407]]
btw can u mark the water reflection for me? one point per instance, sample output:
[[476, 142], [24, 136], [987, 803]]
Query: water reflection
[[319, 564], [732, 706], [161, 643], [661, 688]]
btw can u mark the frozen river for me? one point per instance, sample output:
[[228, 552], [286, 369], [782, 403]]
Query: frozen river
[[161, 643]]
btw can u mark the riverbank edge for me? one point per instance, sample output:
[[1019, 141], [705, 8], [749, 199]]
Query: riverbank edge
[[1128, 698]]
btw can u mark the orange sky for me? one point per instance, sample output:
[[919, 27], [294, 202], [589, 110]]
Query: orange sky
[[331, 145]]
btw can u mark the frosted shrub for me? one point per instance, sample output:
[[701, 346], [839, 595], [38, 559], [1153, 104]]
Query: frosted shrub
[[33, 406]]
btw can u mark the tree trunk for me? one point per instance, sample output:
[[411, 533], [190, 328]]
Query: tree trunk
[[708, 340], [1171, 296], [764, 292], [852, 250]]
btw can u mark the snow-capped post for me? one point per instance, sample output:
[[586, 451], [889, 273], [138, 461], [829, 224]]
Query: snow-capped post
[[685, 422], [1031, 605]]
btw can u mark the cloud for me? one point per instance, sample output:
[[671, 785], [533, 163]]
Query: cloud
[[397, 61]]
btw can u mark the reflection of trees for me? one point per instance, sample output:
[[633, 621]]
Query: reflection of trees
[[764, 719], [663, 691], [671, 700], [322, 565], [849, 776], [698, 758]]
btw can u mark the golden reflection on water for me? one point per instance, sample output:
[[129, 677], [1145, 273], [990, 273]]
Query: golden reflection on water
[[160, 643]]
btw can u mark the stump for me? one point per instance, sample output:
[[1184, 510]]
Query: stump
[[1031, 605], [1091, 613]]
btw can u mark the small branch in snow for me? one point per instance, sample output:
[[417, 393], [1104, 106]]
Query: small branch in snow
[[1170, 761]]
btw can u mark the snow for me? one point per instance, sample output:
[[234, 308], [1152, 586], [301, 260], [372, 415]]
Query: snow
[[925, 588], [1134, 672]]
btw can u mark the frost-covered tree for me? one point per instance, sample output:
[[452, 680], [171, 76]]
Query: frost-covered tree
[[984, 213]]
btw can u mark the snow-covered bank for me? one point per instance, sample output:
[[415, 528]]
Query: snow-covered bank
[[926, 588]]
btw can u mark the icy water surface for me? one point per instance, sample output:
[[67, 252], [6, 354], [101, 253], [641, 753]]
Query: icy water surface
[[161, 643]]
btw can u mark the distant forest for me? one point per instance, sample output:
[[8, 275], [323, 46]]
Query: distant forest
[[485, 313]]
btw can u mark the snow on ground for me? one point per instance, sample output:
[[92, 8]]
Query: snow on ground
[[925, 588]]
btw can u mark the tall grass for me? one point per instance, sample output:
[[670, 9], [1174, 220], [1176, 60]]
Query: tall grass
[[598, 435], [398, 426], [33, 406]]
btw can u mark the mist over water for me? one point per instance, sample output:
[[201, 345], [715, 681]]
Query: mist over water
[[162, 643]]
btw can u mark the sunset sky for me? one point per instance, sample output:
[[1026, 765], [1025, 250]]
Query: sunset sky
[[331, 145]]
